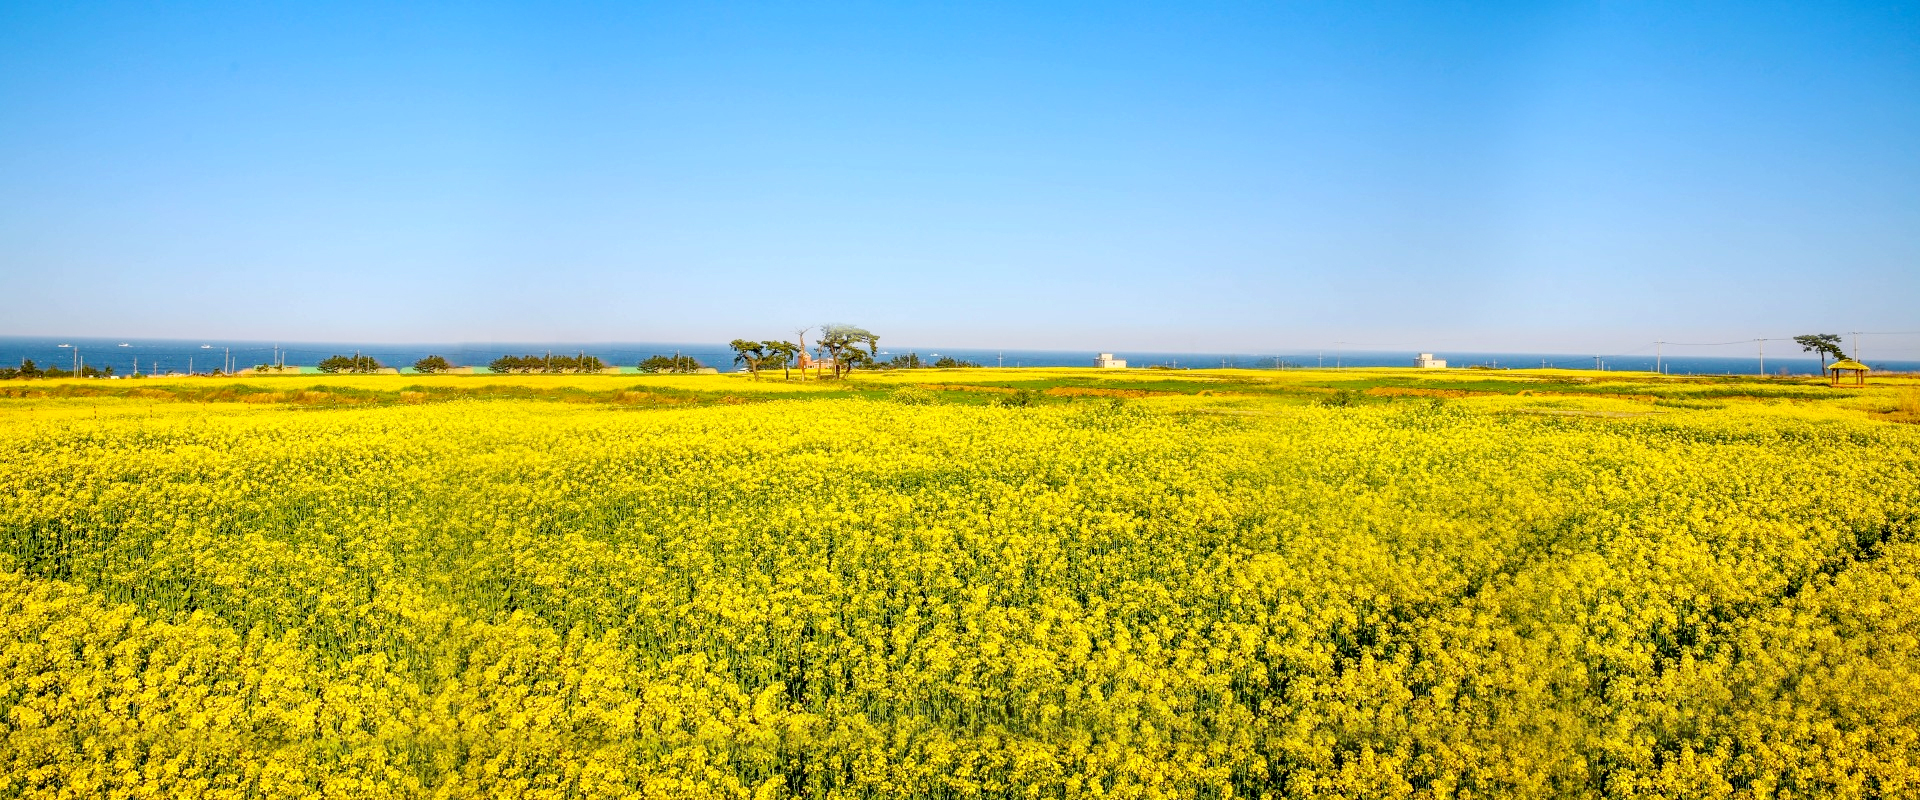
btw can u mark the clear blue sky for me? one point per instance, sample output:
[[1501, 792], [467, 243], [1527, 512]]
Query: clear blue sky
[[1173, 176]]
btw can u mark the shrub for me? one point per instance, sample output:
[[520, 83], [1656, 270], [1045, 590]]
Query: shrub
[[432, 364], [672, 363], [911, 396], [1019, 399], [548, 363], [352, 363], [1345, 398]]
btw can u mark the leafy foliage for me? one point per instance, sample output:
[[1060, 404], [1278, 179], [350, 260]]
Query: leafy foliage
[[753, 355], [1020, 398], [27, 369], [538, 364], [355, 363], [432, 364], [672, 363], [1827, 345], [849, 346], [782, 353]]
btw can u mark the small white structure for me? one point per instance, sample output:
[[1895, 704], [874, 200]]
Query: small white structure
[[1427, 361], [1107, 361]]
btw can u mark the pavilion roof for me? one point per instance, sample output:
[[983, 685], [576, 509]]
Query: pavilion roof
[[1847, 363]]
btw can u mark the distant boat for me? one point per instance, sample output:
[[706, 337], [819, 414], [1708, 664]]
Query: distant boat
[[206, 347], [124, 344], [65, 345]]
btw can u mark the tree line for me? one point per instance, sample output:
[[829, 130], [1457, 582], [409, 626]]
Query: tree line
[[28, 369], [839, 348], [516, 365], [549, 363]]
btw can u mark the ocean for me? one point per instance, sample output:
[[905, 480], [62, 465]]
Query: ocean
[[162, 356]]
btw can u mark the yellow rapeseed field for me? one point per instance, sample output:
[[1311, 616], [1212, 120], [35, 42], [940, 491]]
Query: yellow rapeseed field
[[713, 587]]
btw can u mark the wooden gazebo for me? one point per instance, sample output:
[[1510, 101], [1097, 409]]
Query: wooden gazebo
[[1858, 369]]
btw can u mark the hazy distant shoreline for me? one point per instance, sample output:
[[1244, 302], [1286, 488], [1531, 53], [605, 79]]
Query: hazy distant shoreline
[[183, 355]]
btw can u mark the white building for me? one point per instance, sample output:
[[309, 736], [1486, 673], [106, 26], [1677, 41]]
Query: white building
[[1107, 361], [1427, 361]]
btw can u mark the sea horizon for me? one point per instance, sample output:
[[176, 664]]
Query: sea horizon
[[202, 356]]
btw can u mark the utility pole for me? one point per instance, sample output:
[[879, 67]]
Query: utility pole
[[1763, 356], [1656, 356], [1003, 359], [1856, 344], [1596, 363]]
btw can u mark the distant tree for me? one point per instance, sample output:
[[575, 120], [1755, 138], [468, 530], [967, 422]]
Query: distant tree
[[432, 364], [672, 363], [1826, 344], [750, 354], [28, 369], [784, 353], [843, 344], [852, 357], [908, 361], [352, 363], [949, 362], [549, 363]]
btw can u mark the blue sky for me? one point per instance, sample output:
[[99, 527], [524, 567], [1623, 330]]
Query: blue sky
[[1542, 177]]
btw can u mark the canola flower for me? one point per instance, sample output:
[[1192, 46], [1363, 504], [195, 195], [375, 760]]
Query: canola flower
[[846, 598]]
